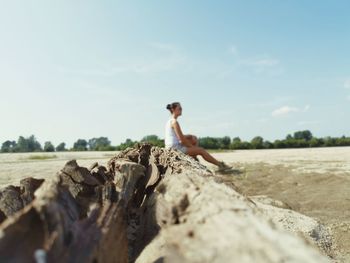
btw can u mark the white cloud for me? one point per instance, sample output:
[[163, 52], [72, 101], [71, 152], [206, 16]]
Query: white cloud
[[262, 120], [306, 108], [261, 64], [264, 61], [347, 84], [264, 64], [272, 102], [285, 110], [233, 50], [308, 123], [163, 57], [163, 46], [166, 58], [151, 66]]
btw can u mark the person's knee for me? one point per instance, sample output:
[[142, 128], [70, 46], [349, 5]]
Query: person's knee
[[193, 139], [201, 150], [194, 151]]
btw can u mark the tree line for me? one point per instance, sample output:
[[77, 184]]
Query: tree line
[[300, 139], [31, 144]]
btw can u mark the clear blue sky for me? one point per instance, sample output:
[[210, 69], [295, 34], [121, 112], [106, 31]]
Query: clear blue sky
[[81, 69]]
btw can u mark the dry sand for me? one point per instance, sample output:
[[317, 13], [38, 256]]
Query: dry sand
[[16, 166], [314, 182]]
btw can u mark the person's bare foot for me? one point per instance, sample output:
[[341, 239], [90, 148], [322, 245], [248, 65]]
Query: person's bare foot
[[223, 167]]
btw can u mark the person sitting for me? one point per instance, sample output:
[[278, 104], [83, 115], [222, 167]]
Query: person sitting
[[188, 144]]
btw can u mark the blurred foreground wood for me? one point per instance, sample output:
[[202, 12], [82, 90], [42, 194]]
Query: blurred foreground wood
[[150, 205]]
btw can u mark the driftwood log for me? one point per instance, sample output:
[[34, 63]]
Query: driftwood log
[[150, 205]]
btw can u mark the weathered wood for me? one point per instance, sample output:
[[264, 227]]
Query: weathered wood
[[10, 200], [127, 177], [101, 174], [193, 217], [28, 187], [150, 205], [21, 235], [72, 219], [13, 198], [2, 216], [203, 221], [79, 174]]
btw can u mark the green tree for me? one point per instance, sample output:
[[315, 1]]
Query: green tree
[[33, 144], [245, 145], [279, 144], [22, 145], [61, 147], [29, 144], [48, 147], [108, 148], [99, 144], [209, 143], [302, 143], [154, 140], [225, 142], [315, 142], [128, 143], [342, 141], [329, 141], [289, 137], [257, 142], [80, 145], [150, 138], [290, 142], [236, 143], [268, 145], [300, 135], [8, 146]]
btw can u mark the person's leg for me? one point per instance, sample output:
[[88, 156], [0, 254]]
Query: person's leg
[[195, 150], [195, 140], [192, 139]]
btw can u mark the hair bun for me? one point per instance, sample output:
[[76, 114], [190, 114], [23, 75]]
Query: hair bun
[[168, 107]]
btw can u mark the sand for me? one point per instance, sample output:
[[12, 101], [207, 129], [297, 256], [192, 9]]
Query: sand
[[314, 182], [16, 166]]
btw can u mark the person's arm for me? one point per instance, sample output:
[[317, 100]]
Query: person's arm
[[179, 134]]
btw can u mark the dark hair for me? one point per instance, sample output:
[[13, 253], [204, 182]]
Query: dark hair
[[172, 106]]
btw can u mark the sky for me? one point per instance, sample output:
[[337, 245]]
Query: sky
[[84, 69]]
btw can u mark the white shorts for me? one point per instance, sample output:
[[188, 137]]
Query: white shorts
[[179, 147]]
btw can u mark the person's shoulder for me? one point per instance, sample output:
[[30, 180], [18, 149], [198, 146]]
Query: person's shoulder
[[173, 121]]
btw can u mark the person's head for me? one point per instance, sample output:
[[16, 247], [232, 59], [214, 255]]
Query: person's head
[[175, 108]]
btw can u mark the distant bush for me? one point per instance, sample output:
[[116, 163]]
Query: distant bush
[[99, 144], [29, 144], [154, 140], [48, 147], [80, 145], [107, 148], [300, 139], [8, 146], [41, 157], [257, 142], [61, 147], [126, 144]]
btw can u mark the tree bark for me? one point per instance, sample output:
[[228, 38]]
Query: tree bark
[[150, 205]]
